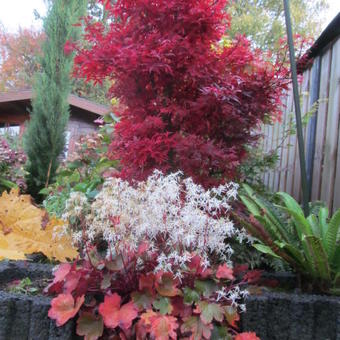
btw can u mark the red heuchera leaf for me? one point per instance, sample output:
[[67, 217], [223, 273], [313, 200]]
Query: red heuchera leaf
[[225, 272], [247, 336], [252, 276], [61, 272], [147, 282], [163, 327], [179, 308], [63, 308], [240, 269], [196, 266], [115, 315], [166, 285], [71, 282]]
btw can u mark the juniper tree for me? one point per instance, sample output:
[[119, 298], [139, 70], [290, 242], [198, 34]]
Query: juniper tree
[[44, 138]]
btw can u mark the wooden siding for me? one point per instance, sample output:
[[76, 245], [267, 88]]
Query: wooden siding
[[321, 134]]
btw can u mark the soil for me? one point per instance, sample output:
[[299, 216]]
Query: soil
[[25, 286]]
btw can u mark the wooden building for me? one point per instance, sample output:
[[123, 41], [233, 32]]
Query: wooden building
[[15, 107]]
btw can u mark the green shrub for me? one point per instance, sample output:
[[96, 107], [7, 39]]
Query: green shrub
[[311, 245], [84, 172]]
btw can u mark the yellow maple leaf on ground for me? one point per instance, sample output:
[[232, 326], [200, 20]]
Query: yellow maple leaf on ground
[[23, 230]]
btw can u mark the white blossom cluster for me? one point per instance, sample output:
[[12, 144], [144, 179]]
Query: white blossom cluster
[[175, 216]]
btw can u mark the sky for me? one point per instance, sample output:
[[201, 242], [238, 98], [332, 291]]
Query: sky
[[15, 13]]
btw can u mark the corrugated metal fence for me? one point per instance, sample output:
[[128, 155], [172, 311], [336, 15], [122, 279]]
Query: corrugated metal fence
[[321, 85]]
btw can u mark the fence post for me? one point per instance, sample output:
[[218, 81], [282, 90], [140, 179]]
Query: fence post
[[299, 132]]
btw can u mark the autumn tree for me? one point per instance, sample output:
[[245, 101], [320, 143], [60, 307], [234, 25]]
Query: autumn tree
[[262, 21], [186, 102], [19, 54], [44, 138]]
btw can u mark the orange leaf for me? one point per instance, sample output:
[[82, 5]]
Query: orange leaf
[[21, 229], [115, 315], [198, 329], [163, 327], [63, 308], [225, 272]]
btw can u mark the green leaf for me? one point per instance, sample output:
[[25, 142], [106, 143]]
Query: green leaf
[[210, 311], [7, 184], [297, 257], [331, 234], [82, 187], [323, 215], [142, 300], [266, 250], [220, 333], [190, 296], [319, 257], [90, 326], [163, 305], [206, 287], [268, 217], [314, 223], [290, 203], [44, 191]]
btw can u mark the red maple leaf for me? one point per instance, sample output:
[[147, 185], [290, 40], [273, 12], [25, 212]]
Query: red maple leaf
[[63, 308], [225, 272], [115, 315]]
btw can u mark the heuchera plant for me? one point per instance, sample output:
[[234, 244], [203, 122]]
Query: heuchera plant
[[153, 265], [188, 101]]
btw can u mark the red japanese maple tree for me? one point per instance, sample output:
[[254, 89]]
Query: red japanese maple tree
[[187, 101]]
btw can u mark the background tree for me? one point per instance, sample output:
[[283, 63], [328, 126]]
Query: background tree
[[19, 54], [186, 102], [262, 21], [20, 57], [44, 138]]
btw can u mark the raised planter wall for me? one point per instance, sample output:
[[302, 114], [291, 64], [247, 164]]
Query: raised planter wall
[[273, 316], [25, 317], [285, 316]]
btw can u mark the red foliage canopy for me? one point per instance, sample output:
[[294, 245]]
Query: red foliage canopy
[[186, 102]]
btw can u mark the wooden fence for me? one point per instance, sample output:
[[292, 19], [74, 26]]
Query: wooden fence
[[321, 85]]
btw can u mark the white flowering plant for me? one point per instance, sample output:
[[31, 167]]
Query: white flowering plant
[[155, 262]]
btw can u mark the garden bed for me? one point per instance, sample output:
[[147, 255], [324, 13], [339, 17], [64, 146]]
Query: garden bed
[[272, 315], [25, 316]]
